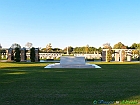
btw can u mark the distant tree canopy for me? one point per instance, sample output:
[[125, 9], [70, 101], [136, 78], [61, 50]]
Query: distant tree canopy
[[99, 49], [15, 45], [53, 50], [56, 50], [135, 46], [88, 50], [119, 45], [43, 50], [83, 50]]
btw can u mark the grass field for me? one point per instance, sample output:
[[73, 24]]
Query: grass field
[[31, 84]]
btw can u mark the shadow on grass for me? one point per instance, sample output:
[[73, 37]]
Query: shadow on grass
[[37, 85]]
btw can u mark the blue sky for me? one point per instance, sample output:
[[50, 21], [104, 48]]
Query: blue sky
[[69, 22]]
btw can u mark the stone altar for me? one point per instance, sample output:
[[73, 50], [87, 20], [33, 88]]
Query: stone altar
[[72, 62]]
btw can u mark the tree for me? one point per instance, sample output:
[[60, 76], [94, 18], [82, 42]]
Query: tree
[[32, 54], [135, 46], [127, 47], [15, 45], [86, 48], [28, 45], [100, 50], [70, 49], [107, 46], [76, 50], [109, 55], [119, 45], [42, 50], [91, 50], [17, 54], [135, 52], [49, 47], [12, 55], [56, 50], [138, 46]]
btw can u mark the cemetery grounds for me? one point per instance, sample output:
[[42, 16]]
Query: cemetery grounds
[[31, 84]]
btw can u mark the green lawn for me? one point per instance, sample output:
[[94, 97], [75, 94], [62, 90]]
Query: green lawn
[[31, 84]]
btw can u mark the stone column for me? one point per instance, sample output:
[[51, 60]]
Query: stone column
[[120, 55], [36, 54], [103, 55], [67, 50], [139, 56], [6, 54], [10, 54], [23, 55], [128, 55], [106, 55], [2, 55], [116, 56]]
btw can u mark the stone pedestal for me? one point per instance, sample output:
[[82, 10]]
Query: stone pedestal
[[129, 58], [70, 60]]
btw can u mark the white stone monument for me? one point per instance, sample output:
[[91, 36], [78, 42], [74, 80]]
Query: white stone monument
[[72, 62]]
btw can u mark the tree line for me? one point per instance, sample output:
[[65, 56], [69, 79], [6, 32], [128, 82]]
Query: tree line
[[71, 50], [84, 49]]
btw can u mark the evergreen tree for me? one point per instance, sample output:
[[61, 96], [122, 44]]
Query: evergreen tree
[[32, 54], [17, 54], [12, 55], [15, 45], [0, 54], [119, 45], [109, 55]]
